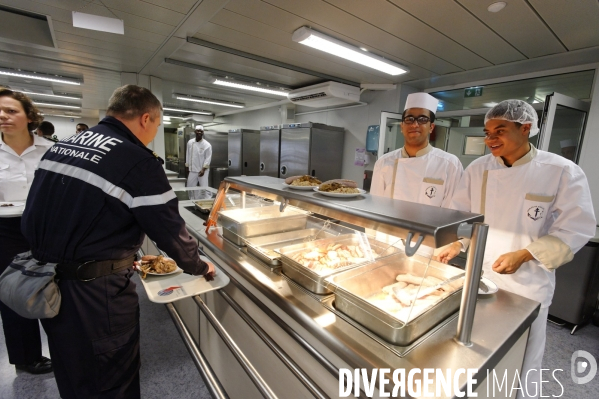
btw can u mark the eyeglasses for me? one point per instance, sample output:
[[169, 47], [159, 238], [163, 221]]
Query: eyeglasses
[[422, 120]]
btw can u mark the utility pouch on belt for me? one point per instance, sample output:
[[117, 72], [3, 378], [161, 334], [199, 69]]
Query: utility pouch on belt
[[28, 287]]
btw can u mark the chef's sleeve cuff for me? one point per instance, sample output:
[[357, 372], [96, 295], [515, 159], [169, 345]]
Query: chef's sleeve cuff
[[550, 251], [465, 243], [187, 165]]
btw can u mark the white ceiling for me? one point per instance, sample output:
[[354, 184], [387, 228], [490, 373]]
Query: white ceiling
[[439, 40]]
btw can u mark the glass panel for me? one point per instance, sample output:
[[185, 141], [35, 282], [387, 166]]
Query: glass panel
[[577, 85], [393, 137], [566, 132]]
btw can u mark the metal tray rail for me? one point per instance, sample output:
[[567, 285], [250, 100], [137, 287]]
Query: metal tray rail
[[239, 224], [353, 287], [316, 282]]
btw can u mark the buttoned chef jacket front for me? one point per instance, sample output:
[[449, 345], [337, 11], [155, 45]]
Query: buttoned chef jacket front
[[199, 155], [541, 203], [428, 178], [17, 171]]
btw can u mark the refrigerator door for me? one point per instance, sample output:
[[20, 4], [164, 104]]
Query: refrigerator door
[[326, 152], [234, 159], [270, 146], [250, 154], [295, 152], [220, 149]]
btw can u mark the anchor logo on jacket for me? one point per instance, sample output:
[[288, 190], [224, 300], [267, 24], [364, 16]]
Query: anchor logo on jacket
[[430, 191], [535, 212]]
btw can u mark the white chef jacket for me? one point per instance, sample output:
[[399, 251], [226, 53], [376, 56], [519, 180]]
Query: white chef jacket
[[16, 171], [541, 203], [199, 155], [428, 178]]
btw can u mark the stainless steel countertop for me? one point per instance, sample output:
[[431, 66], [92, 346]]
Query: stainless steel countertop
[[499, 321], [385, 215]]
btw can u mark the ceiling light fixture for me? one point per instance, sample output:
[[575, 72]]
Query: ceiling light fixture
[[248, 86], [322, 42], [166, 118], [187, 111], [70, 97], [39, 76], [56, 105], [64, 116], [185, 97], [496, 7]]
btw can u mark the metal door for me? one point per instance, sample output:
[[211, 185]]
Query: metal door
[[326, 152], [391, 138], [270, 146], [295, 152], [562, 125], [250, 155], [234, 145]]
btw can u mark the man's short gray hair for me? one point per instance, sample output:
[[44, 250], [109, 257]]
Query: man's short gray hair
[[131, 101]]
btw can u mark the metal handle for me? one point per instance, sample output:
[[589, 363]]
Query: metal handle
[[474, 265], [230, 163], [262, 166], [243, 361], [410, 251], [283, 170]]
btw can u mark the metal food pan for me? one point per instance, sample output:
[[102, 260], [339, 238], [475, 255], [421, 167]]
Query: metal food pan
[[239, 224], [315, 281], [204, 206], [354, 286]]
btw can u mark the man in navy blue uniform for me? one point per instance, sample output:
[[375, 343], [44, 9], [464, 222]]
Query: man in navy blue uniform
[[94, 196]]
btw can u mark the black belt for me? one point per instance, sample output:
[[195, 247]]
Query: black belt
[[87, 271]]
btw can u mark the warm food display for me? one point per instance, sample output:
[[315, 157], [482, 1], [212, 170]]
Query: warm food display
[[410, 296], [156, 265], [305, 180], [339, 186]]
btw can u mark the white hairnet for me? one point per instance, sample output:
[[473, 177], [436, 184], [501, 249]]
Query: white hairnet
[[515, 111], [199, 127]]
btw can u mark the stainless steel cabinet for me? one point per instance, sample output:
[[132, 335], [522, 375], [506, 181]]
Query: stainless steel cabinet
[[244, 152], [270, 146]]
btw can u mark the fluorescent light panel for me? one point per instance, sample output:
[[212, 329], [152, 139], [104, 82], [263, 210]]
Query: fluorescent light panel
[[64, 116], [39, 76], [29, 93], [187, 111], [208, 101], [330, 45], [96, 22], [56, 105], [244, 86]]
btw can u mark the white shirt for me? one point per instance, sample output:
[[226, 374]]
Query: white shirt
[[16, 171], [199, 155], [542, 203], [428, 178]]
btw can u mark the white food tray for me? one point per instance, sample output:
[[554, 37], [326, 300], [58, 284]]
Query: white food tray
[[173, 287]]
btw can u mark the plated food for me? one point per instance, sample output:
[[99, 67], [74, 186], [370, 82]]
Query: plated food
[[341, 186], [302, 181], [152, 264], [7, 204], [410, 296]]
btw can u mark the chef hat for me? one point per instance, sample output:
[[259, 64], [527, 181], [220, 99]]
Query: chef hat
[[567, 143], [515, 111], [422, 100], [199, 127]]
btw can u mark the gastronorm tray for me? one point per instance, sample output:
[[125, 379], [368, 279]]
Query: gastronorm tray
[[315, 281], [239, 224], [354, 286]]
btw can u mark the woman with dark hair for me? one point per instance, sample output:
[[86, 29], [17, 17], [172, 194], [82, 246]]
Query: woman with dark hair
[[20, 153]]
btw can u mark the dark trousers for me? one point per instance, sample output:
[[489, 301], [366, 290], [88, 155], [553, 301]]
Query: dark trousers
[[22, 336], [94, 339]]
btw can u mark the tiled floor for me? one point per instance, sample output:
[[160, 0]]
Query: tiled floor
[[168, 372]]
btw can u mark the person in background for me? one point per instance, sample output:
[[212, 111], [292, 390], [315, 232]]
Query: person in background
[[198, 157], [417, 172], [80, 128], [46, 130], [539, 211], [20, 154], [89, 214], [568, 149]]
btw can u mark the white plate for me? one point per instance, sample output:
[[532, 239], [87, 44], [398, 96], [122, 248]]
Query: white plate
[[340, 195], [302, 188], [492, 287], [15, 210], [166, 274]]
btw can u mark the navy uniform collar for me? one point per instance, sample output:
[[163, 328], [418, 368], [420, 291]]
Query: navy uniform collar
[[124, 131]]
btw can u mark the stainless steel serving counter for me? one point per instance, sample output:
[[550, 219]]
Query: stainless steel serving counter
[[500, 325]]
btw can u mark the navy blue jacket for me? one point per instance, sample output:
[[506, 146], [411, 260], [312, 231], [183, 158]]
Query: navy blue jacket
[[94, 196]]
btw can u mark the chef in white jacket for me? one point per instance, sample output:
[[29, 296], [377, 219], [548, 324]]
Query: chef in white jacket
[[417, 172], [198, 157], [539, 211]]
